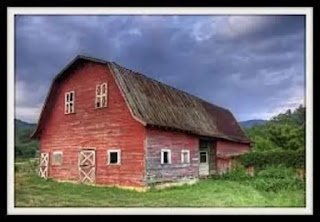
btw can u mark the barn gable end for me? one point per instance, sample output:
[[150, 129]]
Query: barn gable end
[[89, 128]]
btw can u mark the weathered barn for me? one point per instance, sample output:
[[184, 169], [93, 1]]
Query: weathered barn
[[105, 124]]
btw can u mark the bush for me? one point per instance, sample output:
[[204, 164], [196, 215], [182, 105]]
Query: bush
[[288, 158], [277, 172], [270, 179], [28, 150], [236, 174], [276, 184], [27, 166], [277, 178], [262, 143]]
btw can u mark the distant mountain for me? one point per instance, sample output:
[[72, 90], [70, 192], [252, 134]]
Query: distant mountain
[[21, 125], [250, 123]]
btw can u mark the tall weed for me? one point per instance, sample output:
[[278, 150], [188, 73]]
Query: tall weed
[[270, 179]]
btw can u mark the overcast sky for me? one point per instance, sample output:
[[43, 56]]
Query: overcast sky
[[252, 65]]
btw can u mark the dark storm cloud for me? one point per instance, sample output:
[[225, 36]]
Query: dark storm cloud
[[253, 65]]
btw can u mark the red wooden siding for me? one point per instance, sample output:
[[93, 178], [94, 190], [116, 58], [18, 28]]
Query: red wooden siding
[[106, 128], [224, 165], [227, 149], [175, 141]]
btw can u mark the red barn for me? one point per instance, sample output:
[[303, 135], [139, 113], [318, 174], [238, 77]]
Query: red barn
[[105, 124]]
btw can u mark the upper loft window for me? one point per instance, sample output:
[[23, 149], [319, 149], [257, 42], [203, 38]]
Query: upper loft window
[[69, 102], [101, 95]]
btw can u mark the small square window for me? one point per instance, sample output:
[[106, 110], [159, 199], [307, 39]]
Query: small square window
[[57, 158], [114, 157], [165, 156], [185, 156]]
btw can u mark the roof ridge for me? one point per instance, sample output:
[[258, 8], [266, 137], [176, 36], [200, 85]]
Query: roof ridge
[[196, 97], [122, 70]]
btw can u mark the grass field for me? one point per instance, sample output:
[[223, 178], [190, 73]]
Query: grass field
[[32, 191]]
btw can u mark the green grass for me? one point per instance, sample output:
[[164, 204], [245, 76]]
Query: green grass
[[32, 191]]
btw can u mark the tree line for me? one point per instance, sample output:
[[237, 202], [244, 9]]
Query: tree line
[[285, 131]]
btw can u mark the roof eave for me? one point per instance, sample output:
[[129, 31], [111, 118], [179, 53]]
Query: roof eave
[[199, 134]]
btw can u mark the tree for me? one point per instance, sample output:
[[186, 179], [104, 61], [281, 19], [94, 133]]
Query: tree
[[285, 131]]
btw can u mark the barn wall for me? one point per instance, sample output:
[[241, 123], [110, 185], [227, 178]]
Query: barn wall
[[213, 159], [226, 149], [224, 165], [175, 141], [105, 128]]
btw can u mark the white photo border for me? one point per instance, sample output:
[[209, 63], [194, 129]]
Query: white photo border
[[12, 11]]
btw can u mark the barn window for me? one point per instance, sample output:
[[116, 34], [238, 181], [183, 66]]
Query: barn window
[[114, 157], [57, 158], [185, 156], [101, 95], [69, 102], [203, 157], [165, 156]]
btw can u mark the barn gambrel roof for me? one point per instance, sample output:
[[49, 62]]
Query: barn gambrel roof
[[156, 104]]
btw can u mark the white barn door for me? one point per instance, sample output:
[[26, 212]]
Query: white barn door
[[87, 166], [43, 166], [204, 163]]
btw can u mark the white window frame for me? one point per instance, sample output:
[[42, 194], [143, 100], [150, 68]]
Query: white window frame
[[99, 97], [188, 153], [57, 152], [207, 156], [118, 151], [67, 103], [162, 156]]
